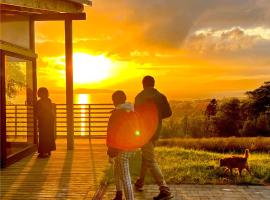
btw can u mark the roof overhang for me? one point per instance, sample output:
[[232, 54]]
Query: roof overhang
[[58, 17], [42, 6], [87, 2]]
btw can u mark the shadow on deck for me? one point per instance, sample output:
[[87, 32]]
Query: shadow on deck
[[65, 175]]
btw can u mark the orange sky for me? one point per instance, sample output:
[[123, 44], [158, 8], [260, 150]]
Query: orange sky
[[193, 49]]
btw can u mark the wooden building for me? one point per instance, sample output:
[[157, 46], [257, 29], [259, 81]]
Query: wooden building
[[18, 70]]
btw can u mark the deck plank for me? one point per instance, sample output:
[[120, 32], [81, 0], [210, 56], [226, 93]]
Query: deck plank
[[65, 175]]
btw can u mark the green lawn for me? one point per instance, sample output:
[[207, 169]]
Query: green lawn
[[200, 167]]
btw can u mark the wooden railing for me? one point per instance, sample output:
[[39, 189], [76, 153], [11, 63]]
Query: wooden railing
[[89, 119], [19, 120]]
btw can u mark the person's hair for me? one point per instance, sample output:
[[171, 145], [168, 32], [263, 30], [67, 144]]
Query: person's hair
[[148, 81], [119, 97], [43, 92]]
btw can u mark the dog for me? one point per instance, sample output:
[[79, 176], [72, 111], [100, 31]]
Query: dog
[[236, 162]]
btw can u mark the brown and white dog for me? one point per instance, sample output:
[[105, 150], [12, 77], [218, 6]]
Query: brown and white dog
[[236, 162]]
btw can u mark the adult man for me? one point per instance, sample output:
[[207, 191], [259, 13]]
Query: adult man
[[148, 156]]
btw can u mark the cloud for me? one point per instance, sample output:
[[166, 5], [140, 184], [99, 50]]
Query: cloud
[[168, 23], [229, 13], [87, 39], [92, 91], [155, 68], [42, 39], [137, 53], [235, 39]]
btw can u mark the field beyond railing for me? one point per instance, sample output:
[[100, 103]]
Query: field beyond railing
[[230, 144], [89, 120]]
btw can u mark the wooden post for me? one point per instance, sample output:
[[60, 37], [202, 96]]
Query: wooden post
[[3, 135], [34, 76], [69, 83]]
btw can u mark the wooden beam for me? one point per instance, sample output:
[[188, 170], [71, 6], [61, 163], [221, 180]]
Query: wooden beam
[[69, 83], [32, 34], [9, 47], [58, 17], [87, 2], [8, 12], [6, 9], [49, 5]]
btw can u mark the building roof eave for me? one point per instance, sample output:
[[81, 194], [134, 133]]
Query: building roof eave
[[59, 6], [87, 2]]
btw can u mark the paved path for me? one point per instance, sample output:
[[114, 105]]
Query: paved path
[[203, 192], [65, 175]]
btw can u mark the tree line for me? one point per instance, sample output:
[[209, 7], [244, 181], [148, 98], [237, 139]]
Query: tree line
[[224, 118]]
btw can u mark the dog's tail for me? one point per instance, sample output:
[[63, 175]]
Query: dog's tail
[[246, 155]]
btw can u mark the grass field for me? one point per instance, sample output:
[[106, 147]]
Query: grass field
[[230, 144], [201, 167]]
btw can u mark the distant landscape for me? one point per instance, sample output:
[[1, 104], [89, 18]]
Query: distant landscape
[[224, 118], [201, 132]]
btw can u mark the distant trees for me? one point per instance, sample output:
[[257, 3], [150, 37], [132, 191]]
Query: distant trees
[[256, 112], [211, 108], [259, 100], [228, 119], [248, 117], [210, 112], [224, 118]]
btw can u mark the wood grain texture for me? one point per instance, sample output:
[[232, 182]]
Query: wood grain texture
[[65, 175]]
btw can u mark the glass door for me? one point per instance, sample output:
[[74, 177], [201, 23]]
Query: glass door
[[19, 104]]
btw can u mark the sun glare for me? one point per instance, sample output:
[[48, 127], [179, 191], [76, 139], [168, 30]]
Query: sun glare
[[83, 99], [90, 69]]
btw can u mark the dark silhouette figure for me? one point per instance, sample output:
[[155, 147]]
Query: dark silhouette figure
[[46, 123], [149, 93]]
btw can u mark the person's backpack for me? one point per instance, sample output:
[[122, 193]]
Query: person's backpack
[[163, 106], [131, 130]]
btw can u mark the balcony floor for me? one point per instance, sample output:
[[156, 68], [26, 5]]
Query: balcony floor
[[65, 175]]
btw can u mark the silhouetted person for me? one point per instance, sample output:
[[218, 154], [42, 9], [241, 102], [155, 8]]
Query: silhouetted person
[[148, 157], [46, 123], [120, 157]]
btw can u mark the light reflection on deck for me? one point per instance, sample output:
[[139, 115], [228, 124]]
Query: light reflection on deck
[[66, 174]]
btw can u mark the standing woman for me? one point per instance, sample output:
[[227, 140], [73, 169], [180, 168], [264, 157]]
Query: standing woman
[[46, 123]]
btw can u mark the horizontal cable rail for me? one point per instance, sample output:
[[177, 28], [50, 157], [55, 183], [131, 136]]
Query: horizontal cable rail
[[89, 119]]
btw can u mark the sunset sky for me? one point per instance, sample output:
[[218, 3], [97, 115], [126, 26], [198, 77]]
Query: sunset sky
[[194, 49]]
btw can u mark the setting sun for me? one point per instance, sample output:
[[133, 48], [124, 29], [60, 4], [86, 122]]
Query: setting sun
[[89, 68]]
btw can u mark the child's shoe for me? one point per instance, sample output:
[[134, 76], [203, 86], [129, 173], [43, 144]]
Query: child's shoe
[[164, 195], [139, 185]]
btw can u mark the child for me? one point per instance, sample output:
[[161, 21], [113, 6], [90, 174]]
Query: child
[[120, 157], [46, 123]]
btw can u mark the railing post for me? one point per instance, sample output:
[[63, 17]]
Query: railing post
[[89, 117], [15, 120], [55, 118]]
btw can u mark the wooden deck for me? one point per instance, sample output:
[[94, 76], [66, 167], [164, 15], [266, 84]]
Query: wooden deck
[[65, 175]]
